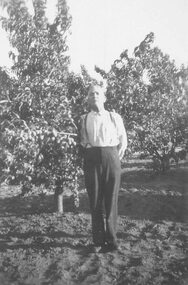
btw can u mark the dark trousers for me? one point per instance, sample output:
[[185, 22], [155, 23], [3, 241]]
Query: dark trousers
[[102, 170]]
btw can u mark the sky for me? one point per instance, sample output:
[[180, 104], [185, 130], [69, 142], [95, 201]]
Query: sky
[[102, 29]]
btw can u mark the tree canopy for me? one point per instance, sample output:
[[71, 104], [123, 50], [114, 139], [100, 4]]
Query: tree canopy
[[148, 91], [39, 136]]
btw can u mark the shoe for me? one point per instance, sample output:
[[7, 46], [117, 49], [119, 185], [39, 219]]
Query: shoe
[[111, 247], [95, 248]]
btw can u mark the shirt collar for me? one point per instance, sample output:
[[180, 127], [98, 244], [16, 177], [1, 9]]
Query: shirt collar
[[94, 113]]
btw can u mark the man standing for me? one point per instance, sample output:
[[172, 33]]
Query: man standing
[[104, 141]]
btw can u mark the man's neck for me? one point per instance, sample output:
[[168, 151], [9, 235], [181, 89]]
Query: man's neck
[[98, 109]]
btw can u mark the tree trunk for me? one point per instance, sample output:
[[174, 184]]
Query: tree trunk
[[58, 201], [161, 164], [165, 163]]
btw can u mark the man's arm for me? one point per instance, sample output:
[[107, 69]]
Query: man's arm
[[122, 137], [83, 141]]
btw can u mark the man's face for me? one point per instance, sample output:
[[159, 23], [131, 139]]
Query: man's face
[[27, 90], [96, 96]]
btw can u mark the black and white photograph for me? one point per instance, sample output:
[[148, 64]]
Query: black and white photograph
[[93, 142]]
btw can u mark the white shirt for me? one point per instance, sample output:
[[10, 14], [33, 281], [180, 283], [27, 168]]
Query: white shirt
[[100, 129]]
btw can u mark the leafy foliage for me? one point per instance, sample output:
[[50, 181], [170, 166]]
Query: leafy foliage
[[39, 136], [41, 104], [147, 89]]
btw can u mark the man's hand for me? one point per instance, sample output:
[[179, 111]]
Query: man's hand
[[121, 151]]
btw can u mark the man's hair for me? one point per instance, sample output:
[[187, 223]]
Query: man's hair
[[95, 84]]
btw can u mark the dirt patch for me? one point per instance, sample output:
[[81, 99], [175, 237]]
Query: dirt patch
[[39, 246]]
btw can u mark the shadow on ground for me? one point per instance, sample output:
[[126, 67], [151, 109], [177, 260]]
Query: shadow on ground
[[40, 246], [142, 196], [137, 205]]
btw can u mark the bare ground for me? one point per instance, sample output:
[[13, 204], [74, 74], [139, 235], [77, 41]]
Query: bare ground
[[39, 246]]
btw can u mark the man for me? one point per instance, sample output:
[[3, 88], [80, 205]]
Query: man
[[104, 140]]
